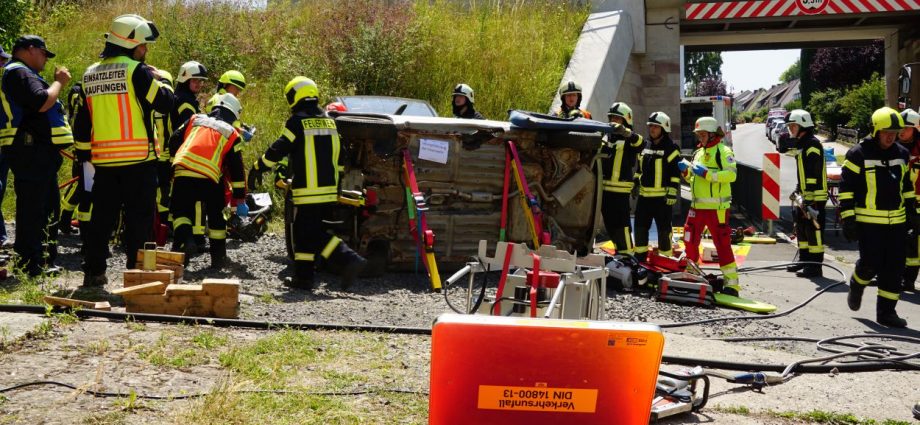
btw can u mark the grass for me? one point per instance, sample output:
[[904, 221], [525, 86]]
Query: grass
[[304, 367], [513, 53], [812, 417], [176, 349]]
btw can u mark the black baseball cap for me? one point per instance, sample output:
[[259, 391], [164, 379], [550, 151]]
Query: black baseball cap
[[27, 41], [4, 54]]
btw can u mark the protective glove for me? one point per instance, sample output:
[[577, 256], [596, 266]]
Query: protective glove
[[245, 135], [621, 130], [700, 170], [670, 200], [683, 165], [242, 209], [576, 113], [850, 229], [254, 179]]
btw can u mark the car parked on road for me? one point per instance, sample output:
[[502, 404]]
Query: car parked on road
[[781, 137], [769, 125]]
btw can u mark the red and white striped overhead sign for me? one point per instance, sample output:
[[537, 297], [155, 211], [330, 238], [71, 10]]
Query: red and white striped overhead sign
[[783, 8]]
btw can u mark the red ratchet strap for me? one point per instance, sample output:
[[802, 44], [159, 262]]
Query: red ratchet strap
[[534, 283], [540, 235], [509, 249], [424, 237]]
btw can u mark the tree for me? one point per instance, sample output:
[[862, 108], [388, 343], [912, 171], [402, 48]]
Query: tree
[[699, 65], [861, 101], [710, 86], [12, 16], [846, 66], [794, 72], [825, 106]]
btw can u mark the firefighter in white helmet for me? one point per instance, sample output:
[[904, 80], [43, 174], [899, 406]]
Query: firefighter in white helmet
[[811, 170], [658, 178], [463, 103], [113, 130]]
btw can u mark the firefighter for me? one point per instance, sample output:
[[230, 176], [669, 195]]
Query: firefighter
[[189, 81], [311, 142], [165, 126], [114, 130], [909, 136], [812, 185], [570, 101], [233, 82], [201, 148], [658, 178], [710, 176], [619, 153], [463, 103], [33, 128], [878, 206]]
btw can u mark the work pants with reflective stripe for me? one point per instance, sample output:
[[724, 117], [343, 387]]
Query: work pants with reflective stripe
[[37, 200], [615, 209], [912, 268], [882, 250], [132, 189], [717, 222], [648, 209], [190, 196], [314, 241], [810, 239]]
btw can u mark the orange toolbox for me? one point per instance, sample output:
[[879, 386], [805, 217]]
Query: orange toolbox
[[523, 371]]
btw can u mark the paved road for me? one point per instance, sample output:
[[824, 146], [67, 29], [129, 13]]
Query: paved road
[[750, 143]]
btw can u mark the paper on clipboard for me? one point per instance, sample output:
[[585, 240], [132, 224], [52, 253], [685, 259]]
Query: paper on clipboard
[[88, 172], [433, 150]]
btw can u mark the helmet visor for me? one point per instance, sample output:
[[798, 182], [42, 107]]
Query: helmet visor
[[154, 33]]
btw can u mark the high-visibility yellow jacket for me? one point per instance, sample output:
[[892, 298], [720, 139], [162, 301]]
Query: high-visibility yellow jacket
[[875, 185], [658, 174], [619, 162], [811, 170], [115, 123], [714, 192]]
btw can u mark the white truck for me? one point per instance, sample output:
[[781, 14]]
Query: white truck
[[692, 108]]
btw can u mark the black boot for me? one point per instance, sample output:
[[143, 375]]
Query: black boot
[[812, 270], [797, 266], [218, 252], [910, 278], [303, 276], [854, 297], [97, 280], [352, 264], [885, 314]]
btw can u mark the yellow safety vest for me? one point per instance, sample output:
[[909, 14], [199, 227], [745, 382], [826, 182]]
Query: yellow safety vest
[[119, 136], [714, 192]]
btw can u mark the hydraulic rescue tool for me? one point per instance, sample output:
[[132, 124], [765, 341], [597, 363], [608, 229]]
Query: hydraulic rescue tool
[[418, 225]]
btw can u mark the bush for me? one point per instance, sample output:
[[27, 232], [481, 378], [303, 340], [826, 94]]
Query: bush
[[861, 101], [12, 19], [825, 107], [795, 104]]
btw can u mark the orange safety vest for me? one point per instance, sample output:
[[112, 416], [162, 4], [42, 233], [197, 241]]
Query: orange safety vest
[[206, 141], [119, 134]]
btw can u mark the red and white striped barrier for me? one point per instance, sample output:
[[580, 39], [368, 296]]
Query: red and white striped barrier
[[782, 8], [770, 194]]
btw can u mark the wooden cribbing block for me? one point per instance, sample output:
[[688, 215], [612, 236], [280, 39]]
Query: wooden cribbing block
[[152, 288], [70, 302], [177, 269], [193, 290], [179, 305], [222, 288], [136, 277], [164, 257]]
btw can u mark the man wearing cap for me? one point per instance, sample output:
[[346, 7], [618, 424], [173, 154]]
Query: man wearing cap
[[33, 128], [114, 130]]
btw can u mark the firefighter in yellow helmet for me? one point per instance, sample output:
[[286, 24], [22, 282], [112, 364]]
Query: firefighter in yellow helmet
[[233, 82], [710, 176], [202, 148], [114, 131], [311, 142], [878, 208], [620, 150], [570, 101], [909, 136]]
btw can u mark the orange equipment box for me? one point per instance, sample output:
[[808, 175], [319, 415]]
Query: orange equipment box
[[509, 370]]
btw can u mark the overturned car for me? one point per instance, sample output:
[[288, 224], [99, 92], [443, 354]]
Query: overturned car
[[434, 187]]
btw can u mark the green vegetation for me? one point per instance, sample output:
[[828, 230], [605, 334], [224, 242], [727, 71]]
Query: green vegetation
[[794, 72], [852, 107], [512, 53], [174, 348], [812, 417]]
